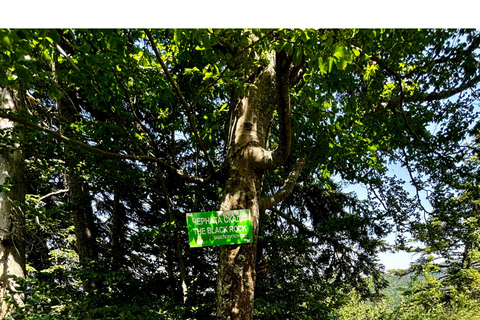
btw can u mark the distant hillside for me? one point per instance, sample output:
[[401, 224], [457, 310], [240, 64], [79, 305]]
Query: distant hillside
[[396, 287]]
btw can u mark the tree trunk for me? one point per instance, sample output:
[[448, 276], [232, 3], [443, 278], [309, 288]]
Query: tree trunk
[[176, 237], [83, 219], [80, 199], [248, 160], [12, 246], [118, 230], [236, 273]]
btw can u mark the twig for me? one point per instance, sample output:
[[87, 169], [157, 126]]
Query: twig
[[49, 195], [415, 184], [63, 53]]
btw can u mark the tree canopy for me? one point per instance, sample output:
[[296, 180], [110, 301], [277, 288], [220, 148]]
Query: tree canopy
[[124, 131]]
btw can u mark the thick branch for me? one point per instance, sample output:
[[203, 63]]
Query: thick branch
[[282, 71], [434, 96], [273, 93], [287, 188], [103, 153], [188, 109]]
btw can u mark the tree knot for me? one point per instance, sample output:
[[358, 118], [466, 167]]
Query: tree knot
[[248, 126]]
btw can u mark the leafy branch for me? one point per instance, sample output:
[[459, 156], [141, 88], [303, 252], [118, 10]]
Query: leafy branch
[[428, 98], [103, 153], [177, 91]]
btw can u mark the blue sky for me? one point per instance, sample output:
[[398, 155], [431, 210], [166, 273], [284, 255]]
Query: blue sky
[[398, 260]]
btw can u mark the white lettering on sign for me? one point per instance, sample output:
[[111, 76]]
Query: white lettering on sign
[[219, 227], [208, 220], [199, 230]]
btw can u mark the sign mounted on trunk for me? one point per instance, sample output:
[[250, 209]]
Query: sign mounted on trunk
[[215, 228]]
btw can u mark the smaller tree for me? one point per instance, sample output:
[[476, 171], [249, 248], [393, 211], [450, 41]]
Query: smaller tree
[[451, 234]]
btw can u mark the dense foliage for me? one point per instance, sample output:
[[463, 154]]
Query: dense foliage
[[122, 141]]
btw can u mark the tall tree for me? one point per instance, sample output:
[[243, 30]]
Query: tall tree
[[247, 160], [450, 233], [79, 193], [12, 195]]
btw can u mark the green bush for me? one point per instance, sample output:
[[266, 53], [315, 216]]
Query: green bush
[[427, 298]]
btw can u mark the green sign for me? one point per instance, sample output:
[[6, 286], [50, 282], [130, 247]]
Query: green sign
[[215, 228]]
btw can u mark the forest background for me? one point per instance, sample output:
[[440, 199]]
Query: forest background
[[123, 131]]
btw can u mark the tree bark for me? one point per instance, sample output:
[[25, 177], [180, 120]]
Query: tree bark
[[12, 246], [248, 159]]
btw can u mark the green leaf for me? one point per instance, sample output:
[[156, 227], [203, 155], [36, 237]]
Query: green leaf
[[339, 53], [297, 57], [321, 65], [330, 63], [23, 74], [6, 41], [288, 48]]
